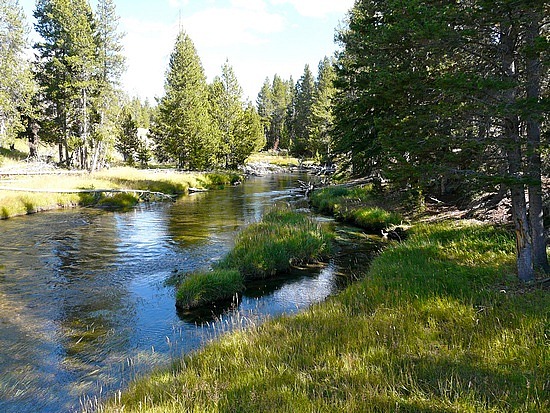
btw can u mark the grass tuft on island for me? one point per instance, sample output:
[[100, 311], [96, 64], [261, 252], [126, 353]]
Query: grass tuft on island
[[356, 206], [283, 239], [169, 182], [439, 323]]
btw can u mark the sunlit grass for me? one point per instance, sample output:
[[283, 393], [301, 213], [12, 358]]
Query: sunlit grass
[[284, 238], [356, 205], [167, 182], [438, 324], [274, 159], [206, 287]]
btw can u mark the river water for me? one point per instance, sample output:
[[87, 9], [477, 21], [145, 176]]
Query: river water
[[84, 304]]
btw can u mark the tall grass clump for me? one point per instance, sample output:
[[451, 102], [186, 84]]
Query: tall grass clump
[[356, 206], [283, 238], [205, 287], [438, 324]]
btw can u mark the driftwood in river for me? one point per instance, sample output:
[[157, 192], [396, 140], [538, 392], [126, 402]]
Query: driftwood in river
[[138, 192]]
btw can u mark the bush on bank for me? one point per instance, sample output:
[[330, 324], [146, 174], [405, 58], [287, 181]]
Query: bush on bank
[[437, 324]]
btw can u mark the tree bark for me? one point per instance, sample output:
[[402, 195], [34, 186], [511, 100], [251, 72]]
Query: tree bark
[[533, 77], [512, 144]]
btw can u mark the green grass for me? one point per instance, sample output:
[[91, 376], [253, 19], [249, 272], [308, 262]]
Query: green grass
[[356, 206], [283, 239], [438, 324], [274, 159], [206, 287]]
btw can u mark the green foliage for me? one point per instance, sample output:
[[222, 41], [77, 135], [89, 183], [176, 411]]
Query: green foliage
[[202, 288], [321, 117], [284, 238], [301, 115], [240, 129], [355, 206], [183, 127], [79, 63], [435, 325], [273, 105], [16, 84]]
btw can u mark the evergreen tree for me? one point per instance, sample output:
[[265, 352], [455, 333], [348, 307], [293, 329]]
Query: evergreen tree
[[127, 141], [183, 127], [110, 66], [303, 101], [433, 92], [264, 103], [322, 118], [227, 110], [16, 84], [66, 64], [281, 99]]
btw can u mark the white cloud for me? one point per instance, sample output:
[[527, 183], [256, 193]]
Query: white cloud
[[317, 8], [147, 46], [219, 27]]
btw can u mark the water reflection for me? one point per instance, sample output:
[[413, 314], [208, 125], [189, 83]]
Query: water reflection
[[83, 301]]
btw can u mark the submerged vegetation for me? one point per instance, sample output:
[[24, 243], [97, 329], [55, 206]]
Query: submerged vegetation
[[283, 239], [438, 323]]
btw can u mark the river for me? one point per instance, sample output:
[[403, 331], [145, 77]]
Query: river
[[84, 304]]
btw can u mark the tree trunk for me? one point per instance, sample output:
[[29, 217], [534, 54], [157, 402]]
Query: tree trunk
[[536, 214], [512, 144]]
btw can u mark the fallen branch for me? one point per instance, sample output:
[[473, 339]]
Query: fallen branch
[[89, 191]]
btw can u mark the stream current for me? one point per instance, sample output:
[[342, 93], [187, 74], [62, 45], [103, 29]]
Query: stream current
[[84, 304]]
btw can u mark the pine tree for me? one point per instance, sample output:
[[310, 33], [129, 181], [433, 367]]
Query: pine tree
[[302, 115], [281, 99], [65, 71], [110, 66], [322, 118], [264, 103], [183, 128], [227, 108], [433, 92], [16, 83]]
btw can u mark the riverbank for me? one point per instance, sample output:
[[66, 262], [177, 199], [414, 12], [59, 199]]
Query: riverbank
[[23, 194], [438, 323]]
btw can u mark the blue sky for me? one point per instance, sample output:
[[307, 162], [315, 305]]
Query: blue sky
[[258, 37]]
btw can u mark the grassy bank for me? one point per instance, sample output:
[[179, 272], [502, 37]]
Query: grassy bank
[[14, 203], [357, 206], [438, 324], [284, 238]]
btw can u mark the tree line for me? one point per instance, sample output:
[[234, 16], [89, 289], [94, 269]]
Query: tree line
[[70, 96], [450, 98], [297, 117]]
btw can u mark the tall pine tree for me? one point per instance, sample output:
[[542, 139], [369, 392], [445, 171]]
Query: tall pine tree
[[16, 84], [183, 128], [65, 68]]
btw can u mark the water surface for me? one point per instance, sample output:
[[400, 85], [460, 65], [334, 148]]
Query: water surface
[[84, 306]]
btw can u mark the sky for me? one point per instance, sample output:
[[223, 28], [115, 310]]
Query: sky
[[259, 38]]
